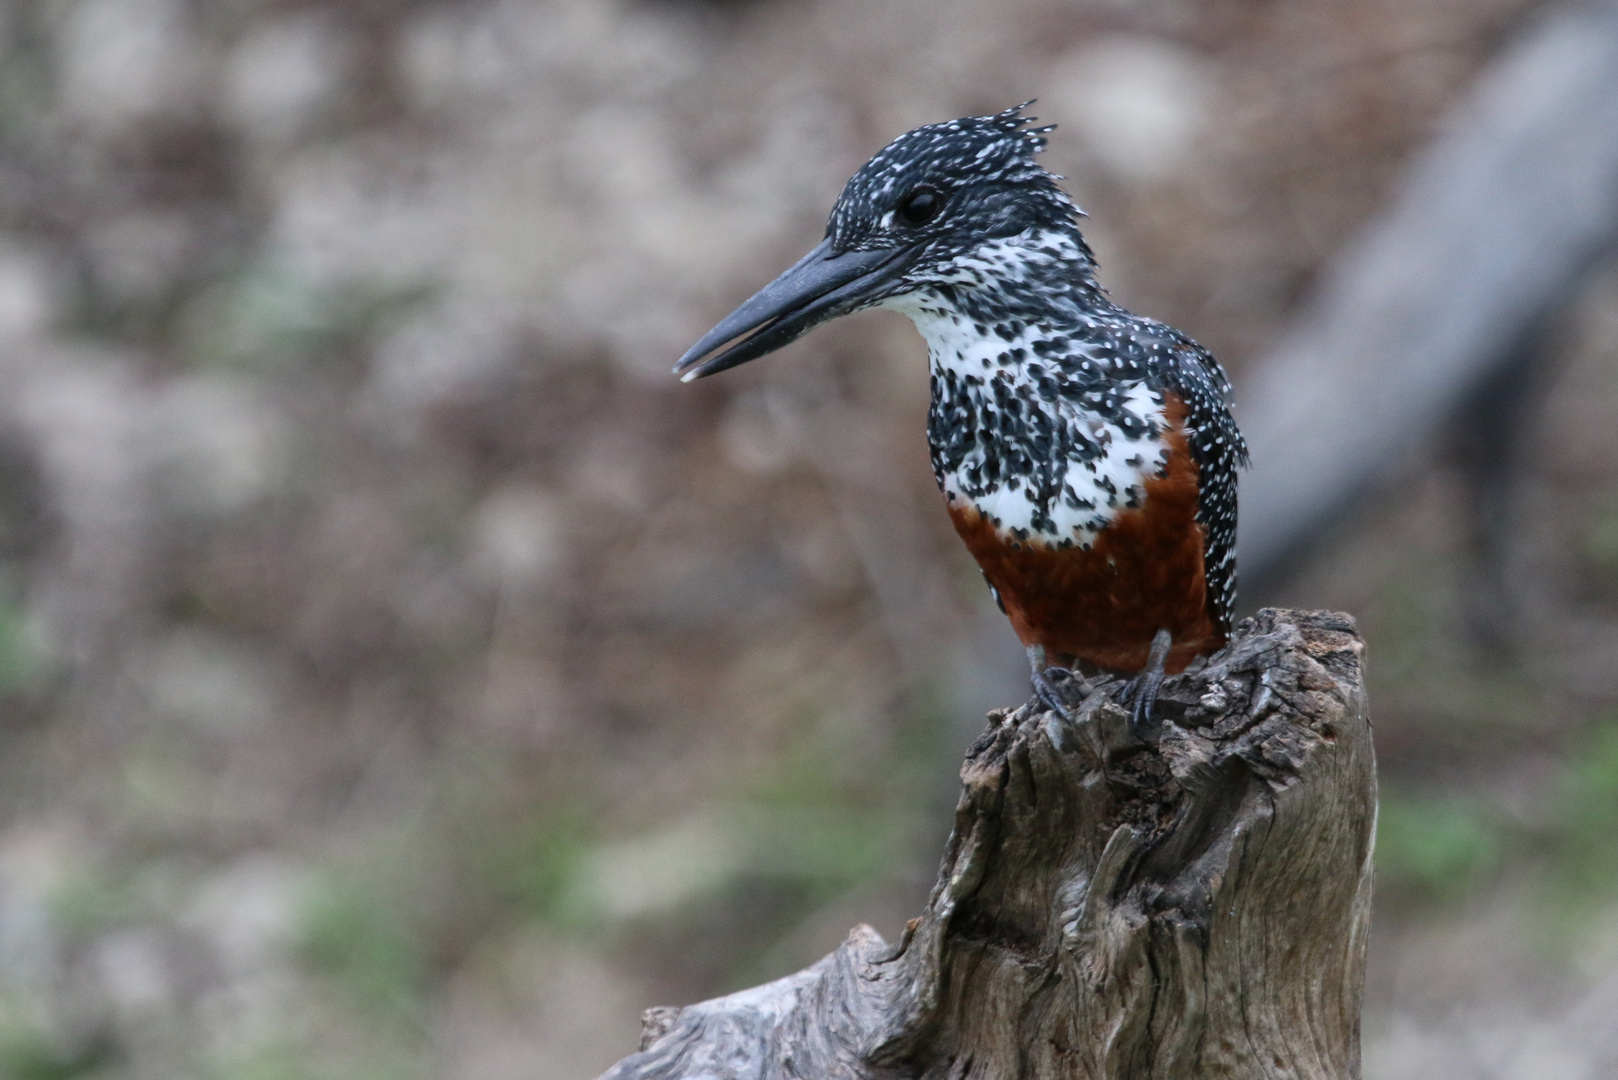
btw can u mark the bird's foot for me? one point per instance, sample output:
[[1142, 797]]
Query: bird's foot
[[1048, 684], [1140, 693]]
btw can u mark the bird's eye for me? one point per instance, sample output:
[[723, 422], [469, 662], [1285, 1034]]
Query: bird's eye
[[921, 206]]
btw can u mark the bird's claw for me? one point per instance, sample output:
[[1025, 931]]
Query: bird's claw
[[1140, 693], [1046, 692], [1140, 696]]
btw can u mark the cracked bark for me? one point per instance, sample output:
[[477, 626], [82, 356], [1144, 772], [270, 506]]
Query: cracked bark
[[1193, 908]]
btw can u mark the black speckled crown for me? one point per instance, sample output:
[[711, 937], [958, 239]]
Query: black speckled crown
[[976, 162]]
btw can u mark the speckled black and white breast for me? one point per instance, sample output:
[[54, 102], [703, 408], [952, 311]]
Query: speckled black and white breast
[[1042, 454], [1049, 402], [1045, 426]]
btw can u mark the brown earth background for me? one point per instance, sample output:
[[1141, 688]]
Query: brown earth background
[[402, 676]]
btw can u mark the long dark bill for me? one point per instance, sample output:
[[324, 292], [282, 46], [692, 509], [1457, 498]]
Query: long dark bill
[[822, 285]]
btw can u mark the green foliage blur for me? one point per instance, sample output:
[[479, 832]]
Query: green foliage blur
[[28, 1054], [1435, 849], [1584, 849], [1439, 851], [358, 941]]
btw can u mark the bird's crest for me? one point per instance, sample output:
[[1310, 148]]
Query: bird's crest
[[975, 155], [1014, 121]]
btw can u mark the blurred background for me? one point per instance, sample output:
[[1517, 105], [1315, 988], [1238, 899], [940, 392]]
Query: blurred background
[[402, 676]]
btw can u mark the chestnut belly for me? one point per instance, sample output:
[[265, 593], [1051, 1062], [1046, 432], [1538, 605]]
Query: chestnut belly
[[1104, 603]]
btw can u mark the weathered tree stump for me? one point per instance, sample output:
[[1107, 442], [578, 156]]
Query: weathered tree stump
[[1106, 908]]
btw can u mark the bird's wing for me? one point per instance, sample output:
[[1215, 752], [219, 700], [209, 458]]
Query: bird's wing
[[1220, 451]]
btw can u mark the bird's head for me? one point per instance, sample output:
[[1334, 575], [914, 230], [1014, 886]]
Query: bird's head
[[934, 209]]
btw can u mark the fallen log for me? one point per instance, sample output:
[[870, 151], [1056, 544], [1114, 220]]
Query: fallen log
[[1190, 905]]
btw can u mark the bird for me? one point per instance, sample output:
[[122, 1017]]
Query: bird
[[1087, 456]]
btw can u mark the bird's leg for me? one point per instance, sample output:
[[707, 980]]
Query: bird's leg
[[1141, 691], [1039, 673]]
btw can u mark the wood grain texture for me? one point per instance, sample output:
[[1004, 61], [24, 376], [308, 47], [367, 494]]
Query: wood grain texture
[[1107, 909]]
